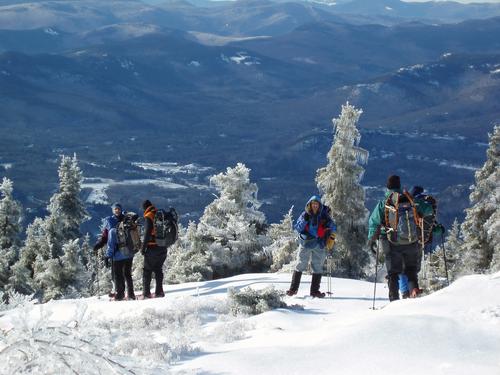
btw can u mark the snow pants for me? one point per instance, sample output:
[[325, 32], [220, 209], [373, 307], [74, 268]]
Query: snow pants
[[153, 263], [400, 259], [316, 254], [122, 270]]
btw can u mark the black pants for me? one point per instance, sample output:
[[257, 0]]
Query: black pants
[[153, 263], [122, 270], [401, 259]]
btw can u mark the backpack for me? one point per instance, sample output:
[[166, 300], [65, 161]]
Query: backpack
[[427, 207], [128, 235], [402, 222], [166, 227]]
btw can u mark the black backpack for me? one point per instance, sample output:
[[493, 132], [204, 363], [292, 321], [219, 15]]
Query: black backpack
[[166, 227]]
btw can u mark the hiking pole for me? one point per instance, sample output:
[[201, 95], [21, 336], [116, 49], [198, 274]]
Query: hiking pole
[[97, 275], [444, 259], [329, 266], [376, 274]]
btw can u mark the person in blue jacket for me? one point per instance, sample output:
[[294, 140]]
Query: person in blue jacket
[[314, 226], [121, 264]]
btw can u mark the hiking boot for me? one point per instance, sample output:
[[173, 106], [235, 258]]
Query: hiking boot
[[406, 295], [159, 295], [294, 286], [315, 282], [318, 294], [415, 292], [131, 297]]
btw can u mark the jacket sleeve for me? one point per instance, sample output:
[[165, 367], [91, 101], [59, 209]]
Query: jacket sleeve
[[301, 223], [103, 239], [375, 220], [148, 229]]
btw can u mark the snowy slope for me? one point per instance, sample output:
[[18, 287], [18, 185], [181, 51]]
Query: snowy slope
[[191, 331]]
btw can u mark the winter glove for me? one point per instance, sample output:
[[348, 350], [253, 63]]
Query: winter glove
[[106, 262], [307, 217]]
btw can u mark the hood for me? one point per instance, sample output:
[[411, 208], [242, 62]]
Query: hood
[[312, 199]]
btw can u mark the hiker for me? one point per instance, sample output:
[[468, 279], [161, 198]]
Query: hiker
[[121, 264], [394, 223], [314, 226], [427, 207], [154, 254]]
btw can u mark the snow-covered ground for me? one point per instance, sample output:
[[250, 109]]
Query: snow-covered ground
[[191, 331]]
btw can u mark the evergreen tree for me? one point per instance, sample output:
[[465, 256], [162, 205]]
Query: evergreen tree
[[284, 246], [232, 227], [339, 182], [10, 227], [66, 205], [10, 216], [480, 228], [452, 246], [188, 259], [51, 242]]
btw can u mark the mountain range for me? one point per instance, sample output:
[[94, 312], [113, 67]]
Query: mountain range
[[123, 82]]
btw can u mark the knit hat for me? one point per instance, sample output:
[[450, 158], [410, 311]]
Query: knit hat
[[146, 204], [393, 182], [116, 205]]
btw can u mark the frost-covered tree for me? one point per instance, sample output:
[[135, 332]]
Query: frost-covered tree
[[480, 228], [284, 246], [61, 277], [10, 227], [66, 204], [10, 216], [50, 241], [232, 226], [188, 259], [339, 183], [443, 262]]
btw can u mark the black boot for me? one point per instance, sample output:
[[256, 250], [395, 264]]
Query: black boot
[[393, 287], [316, 281], [159, 284], [294, 286], [146, 283]]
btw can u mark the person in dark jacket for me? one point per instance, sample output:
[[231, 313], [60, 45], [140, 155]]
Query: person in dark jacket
[[314, 226], [399, 258], [154, 255], [121, 263]]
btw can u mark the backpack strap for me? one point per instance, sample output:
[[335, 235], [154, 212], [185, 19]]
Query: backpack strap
[[416, 216], [390, 205]]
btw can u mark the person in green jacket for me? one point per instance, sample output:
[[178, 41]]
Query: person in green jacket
[[397, 238]]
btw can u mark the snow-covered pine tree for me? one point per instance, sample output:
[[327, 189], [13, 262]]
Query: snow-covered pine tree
[[284, 246], [10, 227], [232, 226], [480, 228], [45, 238], [75, 276], [66, 204], [452, 247], [188, 259], [339, 183]]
